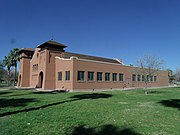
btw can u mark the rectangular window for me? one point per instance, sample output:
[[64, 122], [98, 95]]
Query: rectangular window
[[99, 76], [90, 76], [49, 57], [121, 77], [139, 78], [155, 78], [133, 77], [80, 76], [59, 76], [107, 76], [147, 78], [151, 78], [40, 59], [143, 78], [67, 75], [114, 77]]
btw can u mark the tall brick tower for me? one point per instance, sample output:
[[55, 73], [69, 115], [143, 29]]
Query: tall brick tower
[[24, 72], [48, 51]]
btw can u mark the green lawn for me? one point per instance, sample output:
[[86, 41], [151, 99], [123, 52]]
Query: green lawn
[[90, 113]]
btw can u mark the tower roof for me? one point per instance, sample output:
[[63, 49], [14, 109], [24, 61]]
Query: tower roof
[[26, 50], [52, 44]]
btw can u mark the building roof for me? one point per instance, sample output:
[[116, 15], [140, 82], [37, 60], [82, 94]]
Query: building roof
[[55, 45], [26, 49], [52, 44], [94, 58]]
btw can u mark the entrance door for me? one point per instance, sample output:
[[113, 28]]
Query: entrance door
[[19, 81], [40, 79]]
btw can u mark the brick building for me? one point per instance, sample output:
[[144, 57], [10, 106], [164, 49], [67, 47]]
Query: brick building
[[49, 66]]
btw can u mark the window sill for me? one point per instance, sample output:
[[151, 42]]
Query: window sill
[[91, 81], [81, 81], [100, 81]]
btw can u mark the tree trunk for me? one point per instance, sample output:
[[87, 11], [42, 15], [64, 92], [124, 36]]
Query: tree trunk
[[145, 91], [14, 77], [9, 74], [15, 72]]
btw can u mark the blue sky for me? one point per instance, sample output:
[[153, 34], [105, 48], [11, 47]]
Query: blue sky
[[124, 29]]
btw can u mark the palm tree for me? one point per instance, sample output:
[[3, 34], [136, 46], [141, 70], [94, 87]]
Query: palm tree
[[1, 68], [8, 63], [14, 54]]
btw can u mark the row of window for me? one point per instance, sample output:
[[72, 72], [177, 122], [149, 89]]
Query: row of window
[[67, 75], [35, 67], [91, 74], [143, 78], [99, 76], [107, 77]]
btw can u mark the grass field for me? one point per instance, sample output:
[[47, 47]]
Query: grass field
[[90, 113]]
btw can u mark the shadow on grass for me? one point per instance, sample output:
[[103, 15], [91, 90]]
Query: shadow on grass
[[32, 109], [175, 103], [91, 96], [19, 88], [104, 130], [44, 92], [155, 92], [16, 102], [14, 95], [76, 98], [5, 92], [36, 92], [49, 92]]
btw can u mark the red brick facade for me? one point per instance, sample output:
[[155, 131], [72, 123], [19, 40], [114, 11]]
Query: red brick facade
[[50, 67]]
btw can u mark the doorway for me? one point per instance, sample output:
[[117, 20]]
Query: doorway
[[40, 79], [19, 81]]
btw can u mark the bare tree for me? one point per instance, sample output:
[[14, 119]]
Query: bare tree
[[171, 76], [148, 66], [177, 75]]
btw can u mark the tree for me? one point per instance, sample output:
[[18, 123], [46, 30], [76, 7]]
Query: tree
[[171, 76], [14, 54], [1, 68], [177, 75], [2, 71], [148, 66], [8, 63]]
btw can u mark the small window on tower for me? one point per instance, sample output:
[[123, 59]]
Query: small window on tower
[[67, 75], [59, 76]]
